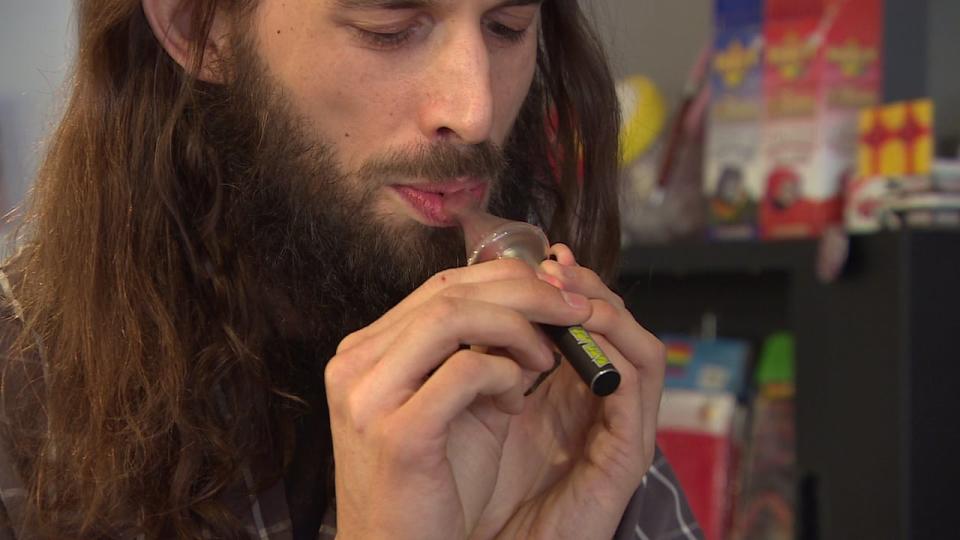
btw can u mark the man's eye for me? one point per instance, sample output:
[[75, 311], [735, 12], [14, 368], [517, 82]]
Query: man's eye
[[385, 40], [506, 33]]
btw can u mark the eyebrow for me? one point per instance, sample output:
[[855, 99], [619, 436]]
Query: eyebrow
[[414, 4]]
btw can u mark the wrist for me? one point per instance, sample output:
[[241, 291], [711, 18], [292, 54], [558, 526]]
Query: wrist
[[587, 512], [570, 512]]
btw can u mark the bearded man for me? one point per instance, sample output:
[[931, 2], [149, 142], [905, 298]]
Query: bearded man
[[236, 269]]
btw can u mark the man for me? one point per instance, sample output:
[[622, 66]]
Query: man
[[237, 269]]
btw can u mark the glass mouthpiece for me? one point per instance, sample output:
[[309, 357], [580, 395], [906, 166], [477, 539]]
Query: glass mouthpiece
[[488, 237]]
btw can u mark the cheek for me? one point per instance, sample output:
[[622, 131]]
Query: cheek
[[352, 109], [345, 100], [510, 82], [345, 110], [360, 114]]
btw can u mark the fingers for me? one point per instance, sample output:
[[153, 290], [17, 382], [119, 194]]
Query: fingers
[[563, 254], [441, 327], [527, 295], [609, 315], [625, 341], [427, 412], [640, 346], [479, 273], [387, 367], [466, 376], [578, 279]]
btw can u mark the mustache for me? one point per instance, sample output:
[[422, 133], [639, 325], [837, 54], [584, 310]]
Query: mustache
[[437, 162]]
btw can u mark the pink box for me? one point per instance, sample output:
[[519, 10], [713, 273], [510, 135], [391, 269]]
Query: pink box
[[822, 65]]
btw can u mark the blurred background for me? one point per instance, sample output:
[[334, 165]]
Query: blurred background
[[791, 208], [36, 40]]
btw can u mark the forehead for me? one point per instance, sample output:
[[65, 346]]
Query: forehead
[[408, 4]]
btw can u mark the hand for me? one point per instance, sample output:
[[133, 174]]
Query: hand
[[571, 460], [418, 422]]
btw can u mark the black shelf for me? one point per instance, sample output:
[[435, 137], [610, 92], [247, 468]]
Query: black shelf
[[703, 257], [877, 361], [744, 285]]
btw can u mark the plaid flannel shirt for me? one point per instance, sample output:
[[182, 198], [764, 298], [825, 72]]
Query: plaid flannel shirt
[[657, 511]]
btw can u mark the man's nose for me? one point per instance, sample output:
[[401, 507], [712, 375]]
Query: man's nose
[[457, 103]]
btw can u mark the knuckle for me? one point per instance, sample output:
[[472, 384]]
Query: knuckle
[[440, 309], [658, 355], [355, 412], [334, 372], [349, 341], [605, 311]]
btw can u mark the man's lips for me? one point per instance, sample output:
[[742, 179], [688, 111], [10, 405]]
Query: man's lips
[[427, 199]]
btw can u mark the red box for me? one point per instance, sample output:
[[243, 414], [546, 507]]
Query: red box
[[822, 65]]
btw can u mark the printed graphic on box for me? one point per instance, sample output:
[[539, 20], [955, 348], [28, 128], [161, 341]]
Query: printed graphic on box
[[894, 156], [820, 69], [732, 166]]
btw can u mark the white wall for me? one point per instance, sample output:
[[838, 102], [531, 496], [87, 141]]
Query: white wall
[[658, 38], [35, 41]]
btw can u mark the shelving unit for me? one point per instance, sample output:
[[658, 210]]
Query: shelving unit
[[877, 361]]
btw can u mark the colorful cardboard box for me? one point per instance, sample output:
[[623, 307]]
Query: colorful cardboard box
[[732, 173], [895, 157], [697, 423], [822, 65]]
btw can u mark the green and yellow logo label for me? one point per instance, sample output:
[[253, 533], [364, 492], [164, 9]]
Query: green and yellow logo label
[[589, 346]]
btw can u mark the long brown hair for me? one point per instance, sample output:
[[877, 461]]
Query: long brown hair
[[126, 284]]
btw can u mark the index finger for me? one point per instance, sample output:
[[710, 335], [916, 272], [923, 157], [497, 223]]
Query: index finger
[[499, 270]]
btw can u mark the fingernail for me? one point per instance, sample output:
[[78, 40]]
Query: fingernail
[[578, 301]]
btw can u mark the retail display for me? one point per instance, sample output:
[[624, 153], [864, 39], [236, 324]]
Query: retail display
[[732, 168], [698, 424]]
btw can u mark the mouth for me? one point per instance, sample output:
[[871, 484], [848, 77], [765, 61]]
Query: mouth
[[426, 200]]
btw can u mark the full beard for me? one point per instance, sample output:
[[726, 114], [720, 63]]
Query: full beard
[[304, 243], [308, 229]]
